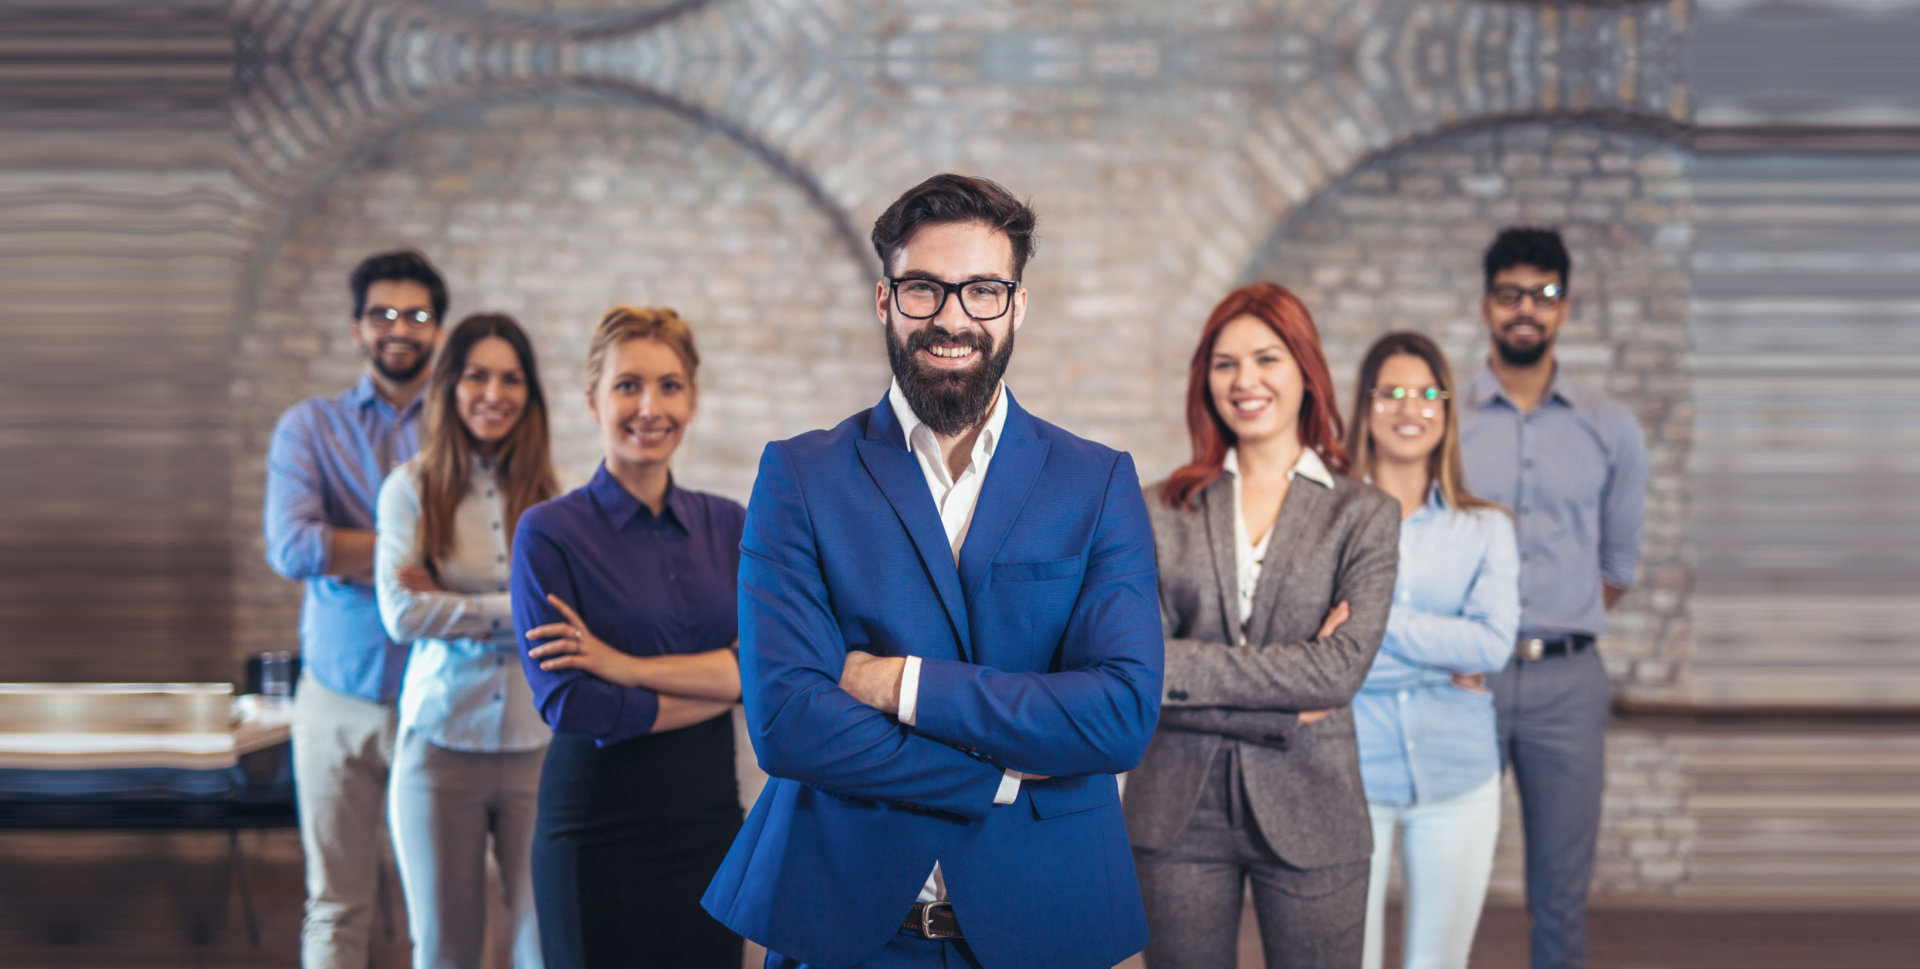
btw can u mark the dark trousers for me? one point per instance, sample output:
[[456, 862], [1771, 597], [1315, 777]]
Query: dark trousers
[[1310, 918], [1552, 716], [627, 839]]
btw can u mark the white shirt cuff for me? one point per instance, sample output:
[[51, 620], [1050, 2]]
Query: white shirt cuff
[[1009, 788], [910, 690]]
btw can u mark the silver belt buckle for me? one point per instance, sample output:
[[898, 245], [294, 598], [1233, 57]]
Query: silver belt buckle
[[1532, 649], [926, 918]]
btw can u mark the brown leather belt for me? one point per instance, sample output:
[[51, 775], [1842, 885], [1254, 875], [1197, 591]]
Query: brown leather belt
[[932, 920]]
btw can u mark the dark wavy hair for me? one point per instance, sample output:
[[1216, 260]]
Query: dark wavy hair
[[1318, 424], [1524, 245], [406, 265], [950, 199]]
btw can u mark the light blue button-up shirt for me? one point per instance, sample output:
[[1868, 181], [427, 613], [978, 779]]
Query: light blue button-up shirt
[[1455, 610], [1574, 471], [464, 688], [324, 468]]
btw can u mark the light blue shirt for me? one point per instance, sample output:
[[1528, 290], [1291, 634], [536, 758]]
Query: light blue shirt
[[1455, 610], [1574, 471], [464, 688], [324, 468]]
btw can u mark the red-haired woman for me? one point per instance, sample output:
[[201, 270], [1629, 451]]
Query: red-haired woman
[[1276, 574]]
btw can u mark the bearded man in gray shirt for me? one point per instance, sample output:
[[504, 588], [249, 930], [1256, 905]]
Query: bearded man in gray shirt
[[1571, 464]]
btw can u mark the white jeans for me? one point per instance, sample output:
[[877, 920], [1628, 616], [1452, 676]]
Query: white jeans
[[1447, 849]]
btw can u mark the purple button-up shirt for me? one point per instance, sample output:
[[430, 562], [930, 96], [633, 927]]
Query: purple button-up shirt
[[325, 465], [645, 584]]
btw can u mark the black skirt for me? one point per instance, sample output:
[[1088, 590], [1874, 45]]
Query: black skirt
[[627, 839]]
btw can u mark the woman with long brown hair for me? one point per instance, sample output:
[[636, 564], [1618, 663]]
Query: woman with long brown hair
[[1276, 573], [466, 764], [1429, 753]]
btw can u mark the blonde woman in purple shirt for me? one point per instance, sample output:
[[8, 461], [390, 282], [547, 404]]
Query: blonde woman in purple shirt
[[1429, 758], [623, 592]]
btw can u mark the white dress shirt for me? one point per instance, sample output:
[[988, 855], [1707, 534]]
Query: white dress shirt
[[955, 498], [1249, 555], [463, 688]]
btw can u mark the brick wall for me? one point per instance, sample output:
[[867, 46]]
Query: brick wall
[[728, 161]]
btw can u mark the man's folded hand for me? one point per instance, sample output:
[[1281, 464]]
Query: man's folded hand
[[873, 680]]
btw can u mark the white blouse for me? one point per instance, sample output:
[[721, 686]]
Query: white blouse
[[1249, 555], [464, 688]]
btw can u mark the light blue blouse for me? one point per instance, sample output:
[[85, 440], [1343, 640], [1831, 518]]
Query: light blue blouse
[[1456, 609], [463, 688]]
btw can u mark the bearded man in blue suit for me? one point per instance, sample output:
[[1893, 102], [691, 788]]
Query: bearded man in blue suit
[[949, 644]]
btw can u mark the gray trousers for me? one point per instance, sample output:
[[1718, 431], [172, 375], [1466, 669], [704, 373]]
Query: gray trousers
[[444, 807], [342, 750], [1310, 918], [1552, 716]]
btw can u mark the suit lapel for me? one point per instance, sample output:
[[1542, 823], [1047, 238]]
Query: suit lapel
[[1301, 508], [884, 452], [1017, 459], [1216, 503]]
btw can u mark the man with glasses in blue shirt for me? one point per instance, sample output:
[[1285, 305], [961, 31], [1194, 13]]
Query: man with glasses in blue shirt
[[1571, 464], [324, 468]]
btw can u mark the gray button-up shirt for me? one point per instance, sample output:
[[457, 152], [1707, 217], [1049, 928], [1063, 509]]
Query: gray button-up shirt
[[1574, 471]]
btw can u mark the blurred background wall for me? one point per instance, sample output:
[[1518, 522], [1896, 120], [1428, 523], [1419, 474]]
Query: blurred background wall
[[1740, 212]]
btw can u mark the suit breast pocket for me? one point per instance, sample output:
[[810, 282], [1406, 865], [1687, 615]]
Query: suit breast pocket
[[1066, 568]]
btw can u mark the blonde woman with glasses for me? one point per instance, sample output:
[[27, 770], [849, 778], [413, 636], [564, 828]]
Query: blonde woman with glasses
[[1428, 752]]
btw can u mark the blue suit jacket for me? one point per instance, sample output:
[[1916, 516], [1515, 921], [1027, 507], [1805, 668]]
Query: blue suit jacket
[[1041, 652]]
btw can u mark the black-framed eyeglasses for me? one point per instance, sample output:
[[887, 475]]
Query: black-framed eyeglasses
[[1546, 297], [920, 298], [384, 317]]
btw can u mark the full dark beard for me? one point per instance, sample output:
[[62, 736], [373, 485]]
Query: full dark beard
[[1521, 356], [949, 403], [400, 375]]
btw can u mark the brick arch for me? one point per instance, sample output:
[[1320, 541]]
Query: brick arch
[[1395, 244], [321, 168], [605, 200], [577, 18]]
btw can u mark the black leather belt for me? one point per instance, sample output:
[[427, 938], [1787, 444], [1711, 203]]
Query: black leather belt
[[932, 920], [1533, 649]]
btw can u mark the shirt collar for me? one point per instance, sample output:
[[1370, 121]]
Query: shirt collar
[[1309, 466], [621, 508], [1486, 388], [910, 422], [364, 394]]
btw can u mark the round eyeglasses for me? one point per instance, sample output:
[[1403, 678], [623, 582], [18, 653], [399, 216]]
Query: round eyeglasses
[[1426, 400], [920, 298], [386, 317]]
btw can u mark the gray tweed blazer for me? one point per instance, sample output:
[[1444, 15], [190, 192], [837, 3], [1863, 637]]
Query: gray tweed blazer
[[1329, 545]]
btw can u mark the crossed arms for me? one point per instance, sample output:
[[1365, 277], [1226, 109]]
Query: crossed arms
[[1093, 716]]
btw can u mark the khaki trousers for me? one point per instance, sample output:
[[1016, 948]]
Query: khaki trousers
[[446, 805], [342, 752]]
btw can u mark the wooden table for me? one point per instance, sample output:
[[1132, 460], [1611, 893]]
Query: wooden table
[[261, 728]]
